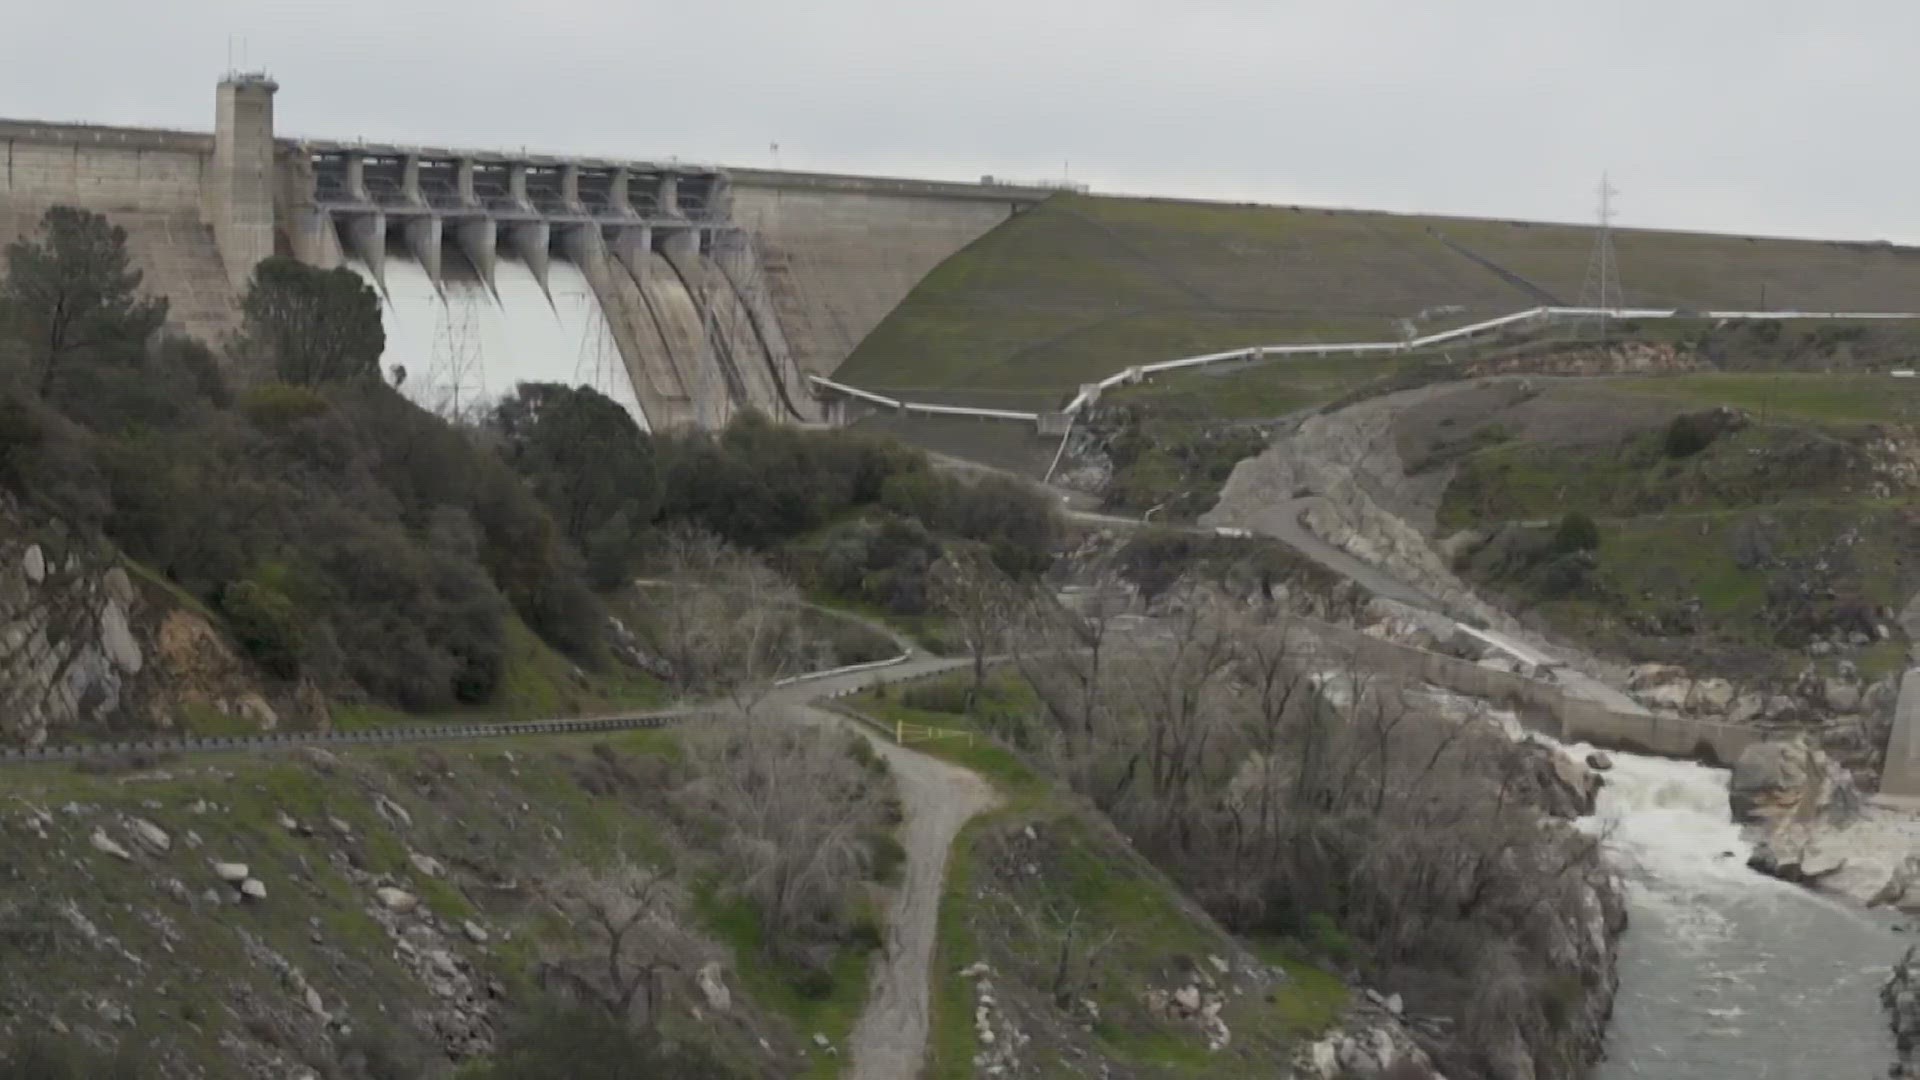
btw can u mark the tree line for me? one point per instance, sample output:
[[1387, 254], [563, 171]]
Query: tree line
[[355, 541]]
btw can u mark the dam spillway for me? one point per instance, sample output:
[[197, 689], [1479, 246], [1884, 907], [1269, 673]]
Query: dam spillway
[[624, 262], [462, 346]]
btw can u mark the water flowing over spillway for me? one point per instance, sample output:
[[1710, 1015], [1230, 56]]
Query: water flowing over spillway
[[1726, 974], [465, 350]]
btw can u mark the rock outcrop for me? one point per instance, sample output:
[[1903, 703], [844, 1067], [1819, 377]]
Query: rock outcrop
[[88, 650], [1901, 998], [1790, 780]]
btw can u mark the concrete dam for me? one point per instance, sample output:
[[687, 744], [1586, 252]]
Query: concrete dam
[[687, 293]]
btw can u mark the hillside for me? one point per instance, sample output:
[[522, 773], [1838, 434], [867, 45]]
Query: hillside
[[1081, 286], [395, 913]]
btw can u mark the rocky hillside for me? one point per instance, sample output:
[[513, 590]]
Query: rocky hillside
[[396, 913], [93, 650]]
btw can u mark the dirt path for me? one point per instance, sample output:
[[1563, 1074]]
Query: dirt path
[[890, 1040]]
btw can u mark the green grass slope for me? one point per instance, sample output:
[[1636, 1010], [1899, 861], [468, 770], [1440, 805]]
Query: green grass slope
[[1081, 286]]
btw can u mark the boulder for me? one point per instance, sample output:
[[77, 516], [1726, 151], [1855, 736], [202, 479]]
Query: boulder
[[1778, 780], [104, 843], [713, 987], [1710, 696], [1902, 879], [253, 889], [1599, 761], [393, 812], [1900, 996], [1187, 998], [233, 873], [152, 836], [1841, 696], [393, 899], [116, 638], [426, 864], [1791, 856], [255, 710], [34, 562], [474, 931], [1879, 698], [119, 587], [1747, 708], [1647, 676], [1673, 695]]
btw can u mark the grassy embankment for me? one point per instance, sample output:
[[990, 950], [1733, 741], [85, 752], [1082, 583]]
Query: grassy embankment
[[1082, 286], [995, 912], [1785, 505]]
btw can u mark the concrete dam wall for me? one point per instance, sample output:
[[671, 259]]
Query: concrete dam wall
[[840, 252], [687, 293]]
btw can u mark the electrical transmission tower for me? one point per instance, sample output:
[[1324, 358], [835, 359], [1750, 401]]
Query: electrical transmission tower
[[1601, 289], [456, 376]]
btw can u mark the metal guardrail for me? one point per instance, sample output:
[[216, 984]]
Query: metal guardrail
[[411, 733], [1352, 348]]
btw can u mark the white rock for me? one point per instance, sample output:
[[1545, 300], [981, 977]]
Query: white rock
[[116, 638], [1219, 965], [340, 826], [253, 889], [396, 899], [119, 586], [393, 811], [105, 843], [426, 864], [474, 931], [1188, 998], [318, 1006], [287, 822], [153, 836], [233, 873], [713, 987], [1711, 696], [1671, 695], [820, 1040], [34, 562]]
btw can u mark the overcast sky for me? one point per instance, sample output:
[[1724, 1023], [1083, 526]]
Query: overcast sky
[[1745, 115]]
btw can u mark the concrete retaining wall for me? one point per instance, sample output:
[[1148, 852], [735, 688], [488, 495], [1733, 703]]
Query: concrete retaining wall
[[1901, 775], [839, 253], [1541, 705]]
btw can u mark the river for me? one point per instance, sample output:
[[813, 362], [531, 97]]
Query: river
[[1726, 974]]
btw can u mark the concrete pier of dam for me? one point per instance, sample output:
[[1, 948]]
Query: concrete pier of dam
[[706, 291]]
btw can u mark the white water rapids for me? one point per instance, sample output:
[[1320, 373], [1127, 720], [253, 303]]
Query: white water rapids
[[1726, 974]]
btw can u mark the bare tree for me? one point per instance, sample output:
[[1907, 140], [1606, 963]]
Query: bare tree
[[794, 802], [980, 598], [726, 623], [625, 912]]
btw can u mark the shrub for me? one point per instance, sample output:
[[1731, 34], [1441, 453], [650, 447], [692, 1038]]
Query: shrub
[[1576, 532], [579, 1043], [274, 403], [1690, 433]]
